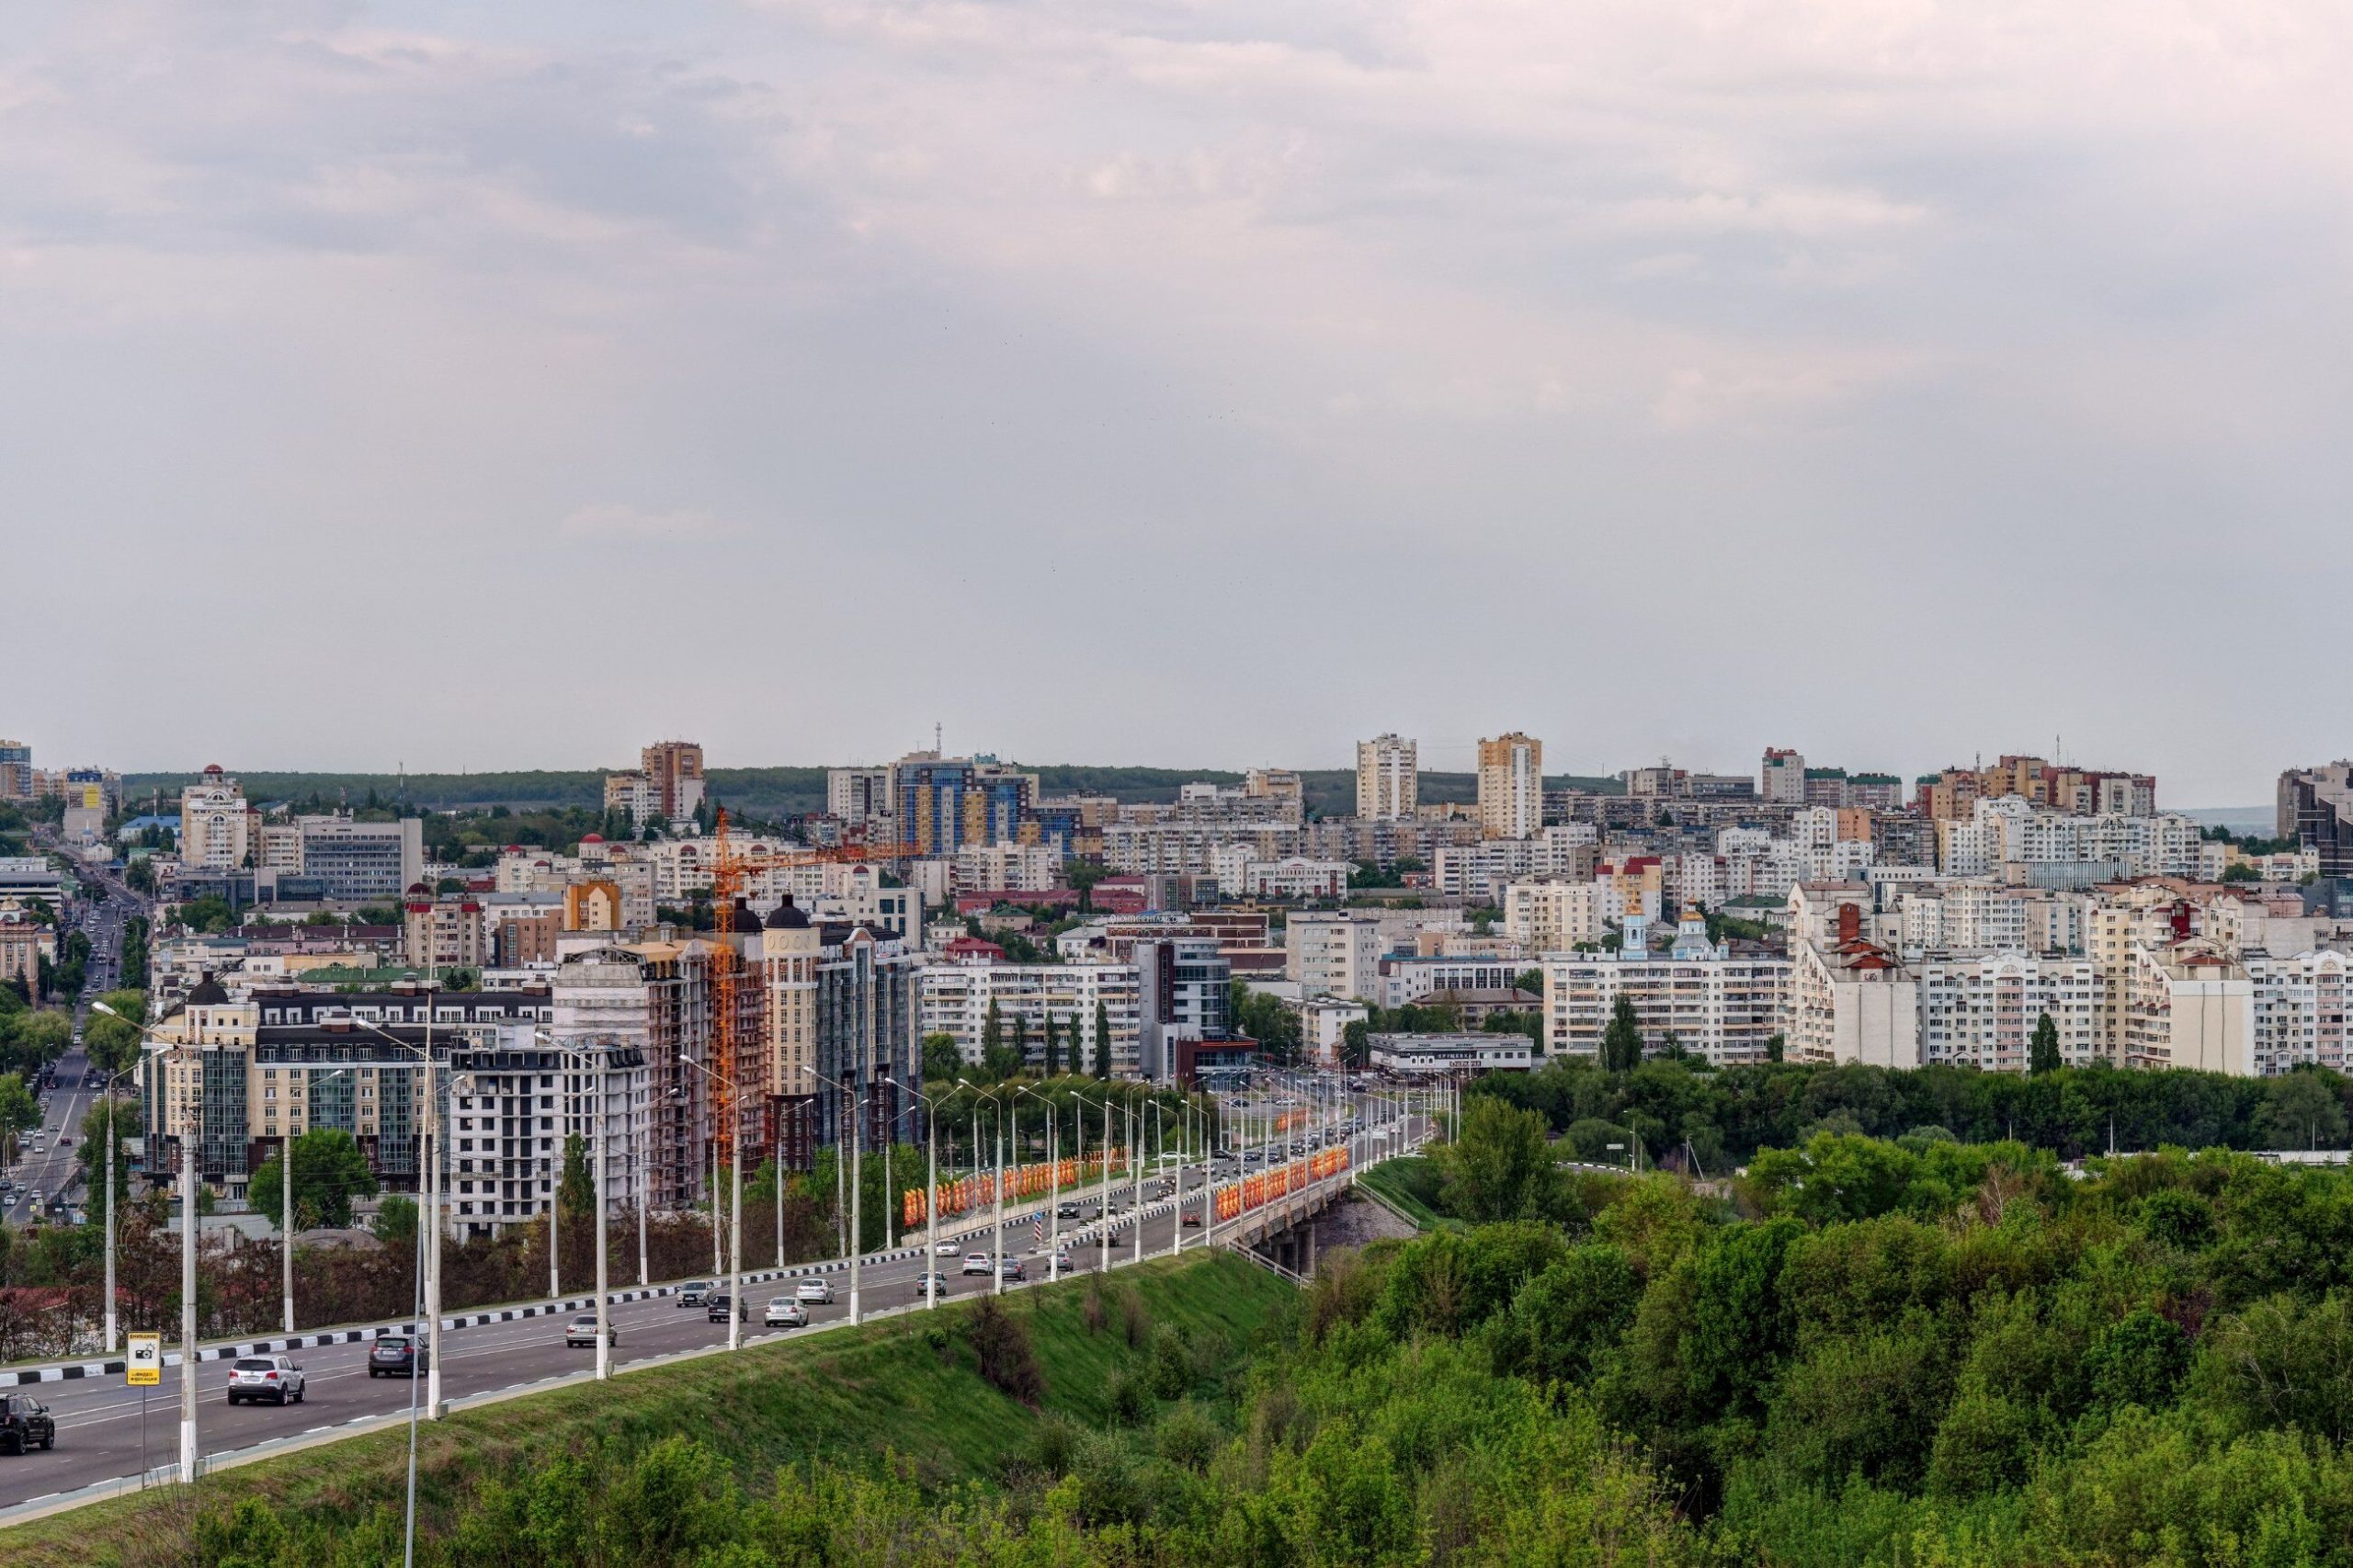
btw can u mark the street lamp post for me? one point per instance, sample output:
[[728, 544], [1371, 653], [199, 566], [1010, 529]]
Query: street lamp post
[[189, 1151], [430, 1147], [286, 1214], [856, 1139], [996, 1188], [114, 1136], [735, 1220], [930, 1196], [1053, 1180]]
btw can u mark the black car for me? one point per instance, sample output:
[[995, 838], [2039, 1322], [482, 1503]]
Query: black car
[[25, 1423], [397, 1355], [717, 1302]]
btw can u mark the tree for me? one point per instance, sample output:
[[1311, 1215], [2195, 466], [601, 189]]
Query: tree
[[1498, 1166], [1053, 1048], [992, 1037], [1355, 1044], [1102, 1040], [112, 1043], [1776, 1048], [395, 1222], [18, 1112], [1021, 1057], [942, 1062], [2045, 1057], [1621, 1040], [2300, 1112], [330, 1171], [577, 1193]]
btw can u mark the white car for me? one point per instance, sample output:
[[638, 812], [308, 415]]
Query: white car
[[582, 1330], [947, 1249], [784, 1312], [977, 1263], [273, 1378], [820, 1291]]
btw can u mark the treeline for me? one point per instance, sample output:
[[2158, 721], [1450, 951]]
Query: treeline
[[1683, 1108]]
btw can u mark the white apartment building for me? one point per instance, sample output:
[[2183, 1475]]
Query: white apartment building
[[1481, 871], [1295, 877], [217, 826], [1186, 844], [1982, 1012], [857, 794], [954, 999], [1552, 916], [1781, 781], [1323, 1026], [514, 1102], [2009, 830], [1850, 1002], [1008, 867], [2299, 1010], [1388, 778], [1334, 955], [1715, 1006]]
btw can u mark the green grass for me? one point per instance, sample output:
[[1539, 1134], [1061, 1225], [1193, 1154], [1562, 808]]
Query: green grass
[[1411, 1184], [901, 1392]]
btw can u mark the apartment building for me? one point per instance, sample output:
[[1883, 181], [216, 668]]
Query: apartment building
[[1295, 877], [1983, 1011], [1511, 787], [1388, 778], [1851, 1000], [1781, 779], [858, 795], [955, 998], [2315, 808], [943, 802], [675, 769], [1554, 914], [1006, 867], [444, 933], [1334, 955], [24, 942], [1724, 1007], [840, 1026], [1481, 871]]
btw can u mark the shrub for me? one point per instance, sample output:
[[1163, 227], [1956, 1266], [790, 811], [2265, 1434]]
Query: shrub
[[1188, 1439], [1129, 1393], [1171, 1373], [1000, 1342]]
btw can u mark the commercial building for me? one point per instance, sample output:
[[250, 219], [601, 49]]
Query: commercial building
[[1511, 787], [1388, 778], [1451, 1055], [2315, 808], [217, 826]]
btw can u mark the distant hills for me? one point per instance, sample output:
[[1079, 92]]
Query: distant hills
[[766, 792]]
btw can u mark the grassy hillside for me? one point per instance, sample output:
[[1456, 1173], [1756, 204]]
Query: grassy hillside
[[884, 1396]]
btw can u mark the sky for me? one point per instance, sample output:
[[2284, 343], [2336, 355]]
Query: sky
[[1178, 382]]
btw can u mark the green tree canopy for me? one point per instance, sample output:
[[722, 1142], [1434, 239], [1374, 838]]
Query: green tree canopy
[[330, 1172]]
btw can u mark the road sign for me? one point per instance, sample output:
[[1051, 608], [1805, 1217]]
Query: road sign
[[145, 1368]]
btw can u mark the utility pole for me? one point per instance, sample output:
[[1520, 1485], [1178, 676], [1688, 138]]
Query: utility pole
[[188, 1151], [604, 1337]]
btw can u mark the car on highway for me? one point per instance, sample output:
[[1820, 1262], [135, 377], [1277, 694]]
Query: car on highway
[[939, 1283], [1192, 1216], [25, 1423], [691, 1293], [1011, 1269], [784, 1312], [814, 1290], [397, 1355], [715, 1307], [947, 1249], [582, 1330], [1067, 1210], [976, 1262], [272, 1378]]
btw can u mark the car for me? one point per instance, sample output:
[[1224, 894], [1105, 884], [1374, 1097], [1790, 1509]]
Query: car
[[33, 1197], [1011, 1269], [582, 1330], [691, 1293], [947, 1249], [1060, 1264], [25, 1423], [976, 1262], [273, 1378], [1067, 1210], [812, 1289], [938, 1283], [397, 1355], [1192, 1217], [784, 1312], [715, 1307]]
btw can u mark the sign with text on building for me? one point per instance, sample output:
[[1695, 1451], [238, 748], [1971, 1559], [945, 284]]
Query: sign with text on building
[[145, 1368]]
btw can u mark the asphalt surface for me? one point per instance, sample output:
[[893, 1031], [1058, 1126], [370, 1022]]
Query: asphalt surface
[[46, 1163], [101, 1436]]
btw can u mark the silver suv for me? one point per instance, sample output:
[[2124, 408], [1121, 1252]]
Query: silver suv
[[273, 1378]]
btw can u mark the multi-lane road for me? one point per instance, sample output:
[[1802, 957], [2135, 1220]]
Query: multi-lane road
[[101, 1436], [48, 1162]]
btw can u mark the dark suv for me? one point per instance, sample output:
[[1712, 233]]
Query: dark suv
[[25, 1423], [397, 1355]]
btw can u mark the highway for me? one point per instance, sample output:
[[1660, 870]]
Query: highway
[[47, 1163], [101, 1436]]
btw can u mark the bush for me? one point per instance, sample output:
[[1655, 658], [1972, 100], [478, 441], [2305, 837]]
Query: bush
[[1188, 1439], [1129, 1393], [1171, 1370], [1057, 1446], [1136, 1319], [1000, 1342]]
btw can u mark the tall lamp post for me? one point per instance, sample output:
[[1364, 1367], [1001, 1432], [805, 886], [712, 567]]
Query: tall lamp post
[[996, 1188], [1053, 1180], [602, 1057], [856, 1142], [930, 1195], [285, 1175], [429, 1143], [114, 1136], [735, 1220]]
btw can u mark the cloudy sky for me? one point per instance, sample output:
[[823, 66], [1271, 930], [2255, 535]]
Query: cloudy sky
[[1178, 382]]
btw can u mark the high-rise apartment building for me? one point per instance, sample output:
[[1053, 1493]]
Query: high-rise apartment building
[[15, 772], [674, 769], [856, 794], [1388, 778], [1511, 786], [946, 802], [1781, 781]]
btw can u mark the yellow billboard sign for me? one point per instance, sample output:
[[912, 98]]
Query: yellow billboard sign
[[145, 1368]]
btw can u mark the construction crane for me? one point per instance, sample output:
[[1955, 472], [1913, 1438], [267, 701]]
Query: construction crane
[[731, 868]]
